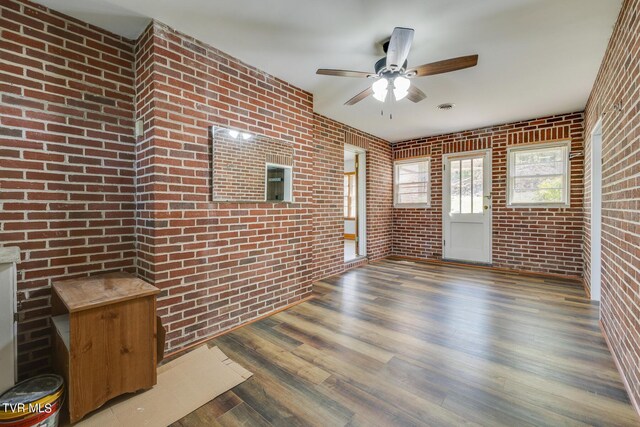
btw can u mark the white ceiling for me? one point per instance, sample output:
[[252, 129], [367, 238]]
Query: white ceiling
[[537, 57]]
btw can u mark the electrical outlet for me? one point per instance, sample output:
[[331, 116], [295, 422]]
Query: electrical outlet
[[139, 128]]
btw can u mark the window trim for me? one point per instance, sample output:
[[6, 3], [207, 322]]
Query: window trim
[[567, 174], [396, 204], [355, 196]]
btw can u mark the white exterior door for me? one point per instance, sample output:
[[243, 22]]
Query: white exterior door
[[467, 207]]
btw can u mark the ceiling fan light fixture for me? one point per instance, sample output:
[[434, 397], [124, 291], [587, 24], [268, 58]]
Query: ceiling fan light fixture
[[401, 87], [380, 89]]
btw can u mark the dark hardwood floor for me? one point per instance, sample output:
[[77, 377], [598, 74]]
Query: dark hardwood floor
[[402, 343]]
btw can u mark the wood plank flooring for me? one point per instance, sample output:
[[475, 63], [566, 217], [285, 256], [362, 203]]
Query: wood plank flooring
[[403, 343]]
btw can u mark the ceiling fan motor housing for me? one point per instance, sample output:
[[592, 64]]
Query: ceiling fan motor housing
[[381, 68]]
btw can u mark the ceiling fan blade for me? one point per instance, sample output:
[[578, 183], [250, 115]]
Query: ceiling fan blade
[[359, 97], [343, 73], [415, 95], [445, 66], [398, 48]]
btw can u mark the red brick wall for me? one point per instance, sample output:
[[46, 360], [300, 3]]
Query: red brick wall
[[379, 190], [69, 182], [217, 264], [547, 240], [328, 192], [618, 82], [66, 158], [80, 195]]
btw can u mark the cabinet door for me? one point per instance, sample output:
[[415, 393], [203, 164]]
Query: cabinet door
[[113, 351]]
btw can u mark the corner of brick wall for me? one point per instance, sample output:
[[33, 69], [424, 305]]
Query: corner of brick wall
[[217, 264], [330, 138]]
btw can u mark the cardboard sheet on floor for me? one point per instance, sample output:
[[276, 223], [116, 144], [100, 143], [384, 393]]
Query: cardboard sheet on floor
[[184, 384]]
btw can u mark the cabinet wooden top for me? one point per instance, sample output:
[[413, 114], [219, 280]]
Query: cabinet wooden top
[[94, 291]]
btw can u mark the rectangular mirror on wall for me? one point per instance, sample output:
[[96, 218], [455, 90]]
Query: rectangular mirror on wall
[[248, 167]]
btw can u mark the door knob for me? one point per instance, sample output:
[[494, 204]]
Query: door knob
[[486, 207]]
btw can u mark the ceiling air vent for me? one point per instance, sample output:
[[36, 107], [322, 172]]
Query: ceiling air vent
[[446, 106]]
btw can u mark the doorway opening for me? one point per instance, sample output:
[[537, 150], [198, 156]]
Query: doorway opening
[[354, 203], [467, 207], [596, 210]]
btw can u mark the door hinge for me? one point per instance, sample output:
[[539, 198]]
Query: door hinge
[[444, 243]]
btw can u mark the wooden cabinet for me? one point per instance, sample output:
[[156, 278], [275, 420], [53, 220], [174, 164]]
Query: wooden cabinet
[[104, 338]]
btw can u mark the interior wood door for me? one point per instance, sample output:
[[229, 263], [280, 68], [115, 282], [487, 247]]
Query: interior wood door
[[467, 207]]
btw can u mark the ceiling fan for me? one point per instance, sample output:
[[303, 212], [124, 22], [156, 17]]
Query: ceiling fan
[[391, 73]]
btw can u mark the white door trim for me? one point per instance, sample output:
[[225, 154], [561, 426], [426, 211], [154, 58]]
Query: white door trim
[[362, 198], [596, 211], [487, 199]]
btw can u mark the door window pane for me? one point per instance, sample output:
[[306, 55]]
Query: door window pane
[[478, 187], [455, 186], [465, 186]]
